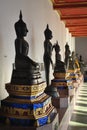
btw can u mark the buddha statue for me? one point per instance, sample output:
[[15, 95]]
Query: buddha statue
[[50, 90], [26, 70], [57, 50], [77, 66], [59, 65], [71, 65], [47, 53], [82, 64], [67, 54]]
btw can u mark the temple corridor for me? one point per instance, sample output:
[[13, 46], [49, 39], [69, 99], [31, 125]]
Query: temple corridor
[[76, 115]]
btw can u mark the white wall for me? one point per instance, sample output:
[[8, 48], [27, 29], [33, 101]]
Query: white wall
[[36, 14], [81, 47]]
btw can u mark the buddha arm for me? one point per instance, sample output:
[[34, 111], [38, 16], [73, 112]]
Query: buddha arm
[[18, 46]]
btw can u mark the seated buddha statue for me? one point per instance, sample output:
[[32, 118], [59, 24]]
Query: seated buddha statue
[[59, 65], [23, 64]]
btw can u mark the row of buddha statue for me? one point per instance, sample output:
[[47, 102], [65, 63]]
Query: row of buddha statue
[[26, 89], [71, 60], [26, 70]]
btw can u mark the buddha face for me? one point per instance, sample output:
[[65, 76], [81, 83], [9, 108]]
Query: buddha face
[[49, 35], [24, 31]]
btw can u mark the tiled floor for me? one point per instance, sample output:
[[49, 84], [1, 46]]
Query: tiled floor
[[79, 115], [75, 117]]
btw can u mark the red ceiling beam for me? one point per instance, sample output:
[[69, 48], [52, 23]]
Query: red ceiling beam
[[75, 25], [70, 1], [75, 22], [61, 5], [73, 17], [83, 31], [78, 28], [79, 34], [70, 14]]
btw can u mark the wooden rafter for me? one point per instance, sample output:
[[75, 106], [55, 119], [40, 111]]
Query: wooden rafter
[[74, 15]]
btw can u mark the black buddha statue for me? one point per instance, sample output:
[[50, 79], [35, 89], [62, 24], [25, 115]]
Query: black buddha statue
[[71, 65], [50, 90], [47, 53], [82, 64], [26, 70], [67, 54], [57, 50], [59, 65]]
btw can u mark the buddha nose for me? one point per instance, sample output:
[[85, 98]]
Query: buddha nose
[[27, 30]]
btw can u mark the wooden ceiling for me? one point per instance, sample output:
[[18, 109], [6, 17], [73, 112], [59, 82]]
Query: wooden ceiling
[[74, 15]]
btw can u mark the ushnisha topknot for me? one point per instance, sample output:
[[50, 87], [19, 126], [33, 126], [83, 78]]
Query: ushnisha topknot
[[20, 22], [47, 31], [20, 16]]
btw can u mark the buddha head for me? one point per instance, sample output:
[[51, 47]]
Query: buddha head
[[67, 46], [48, 33], [57, 47], [20, 27]]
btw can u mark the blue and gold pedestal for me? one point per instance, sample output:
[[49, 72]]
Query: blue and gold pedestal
[[53, 125], [76, 77], [63, 87], [72, 75], [27, 105], [80, 77]]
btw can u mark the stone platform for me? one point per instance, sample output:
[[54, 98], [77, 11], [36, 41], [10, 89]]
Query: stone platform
[[51, 126]]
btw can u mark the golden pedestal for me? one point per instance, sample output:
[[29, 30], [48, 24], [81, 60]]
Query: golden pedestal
[[26, 105]]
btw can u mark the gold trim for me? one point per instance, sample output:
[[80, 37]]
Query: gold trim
[[59, 84], [56, 84], [71, 71], [25, 94], [30, 90], [59, 75], [29, 116]]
